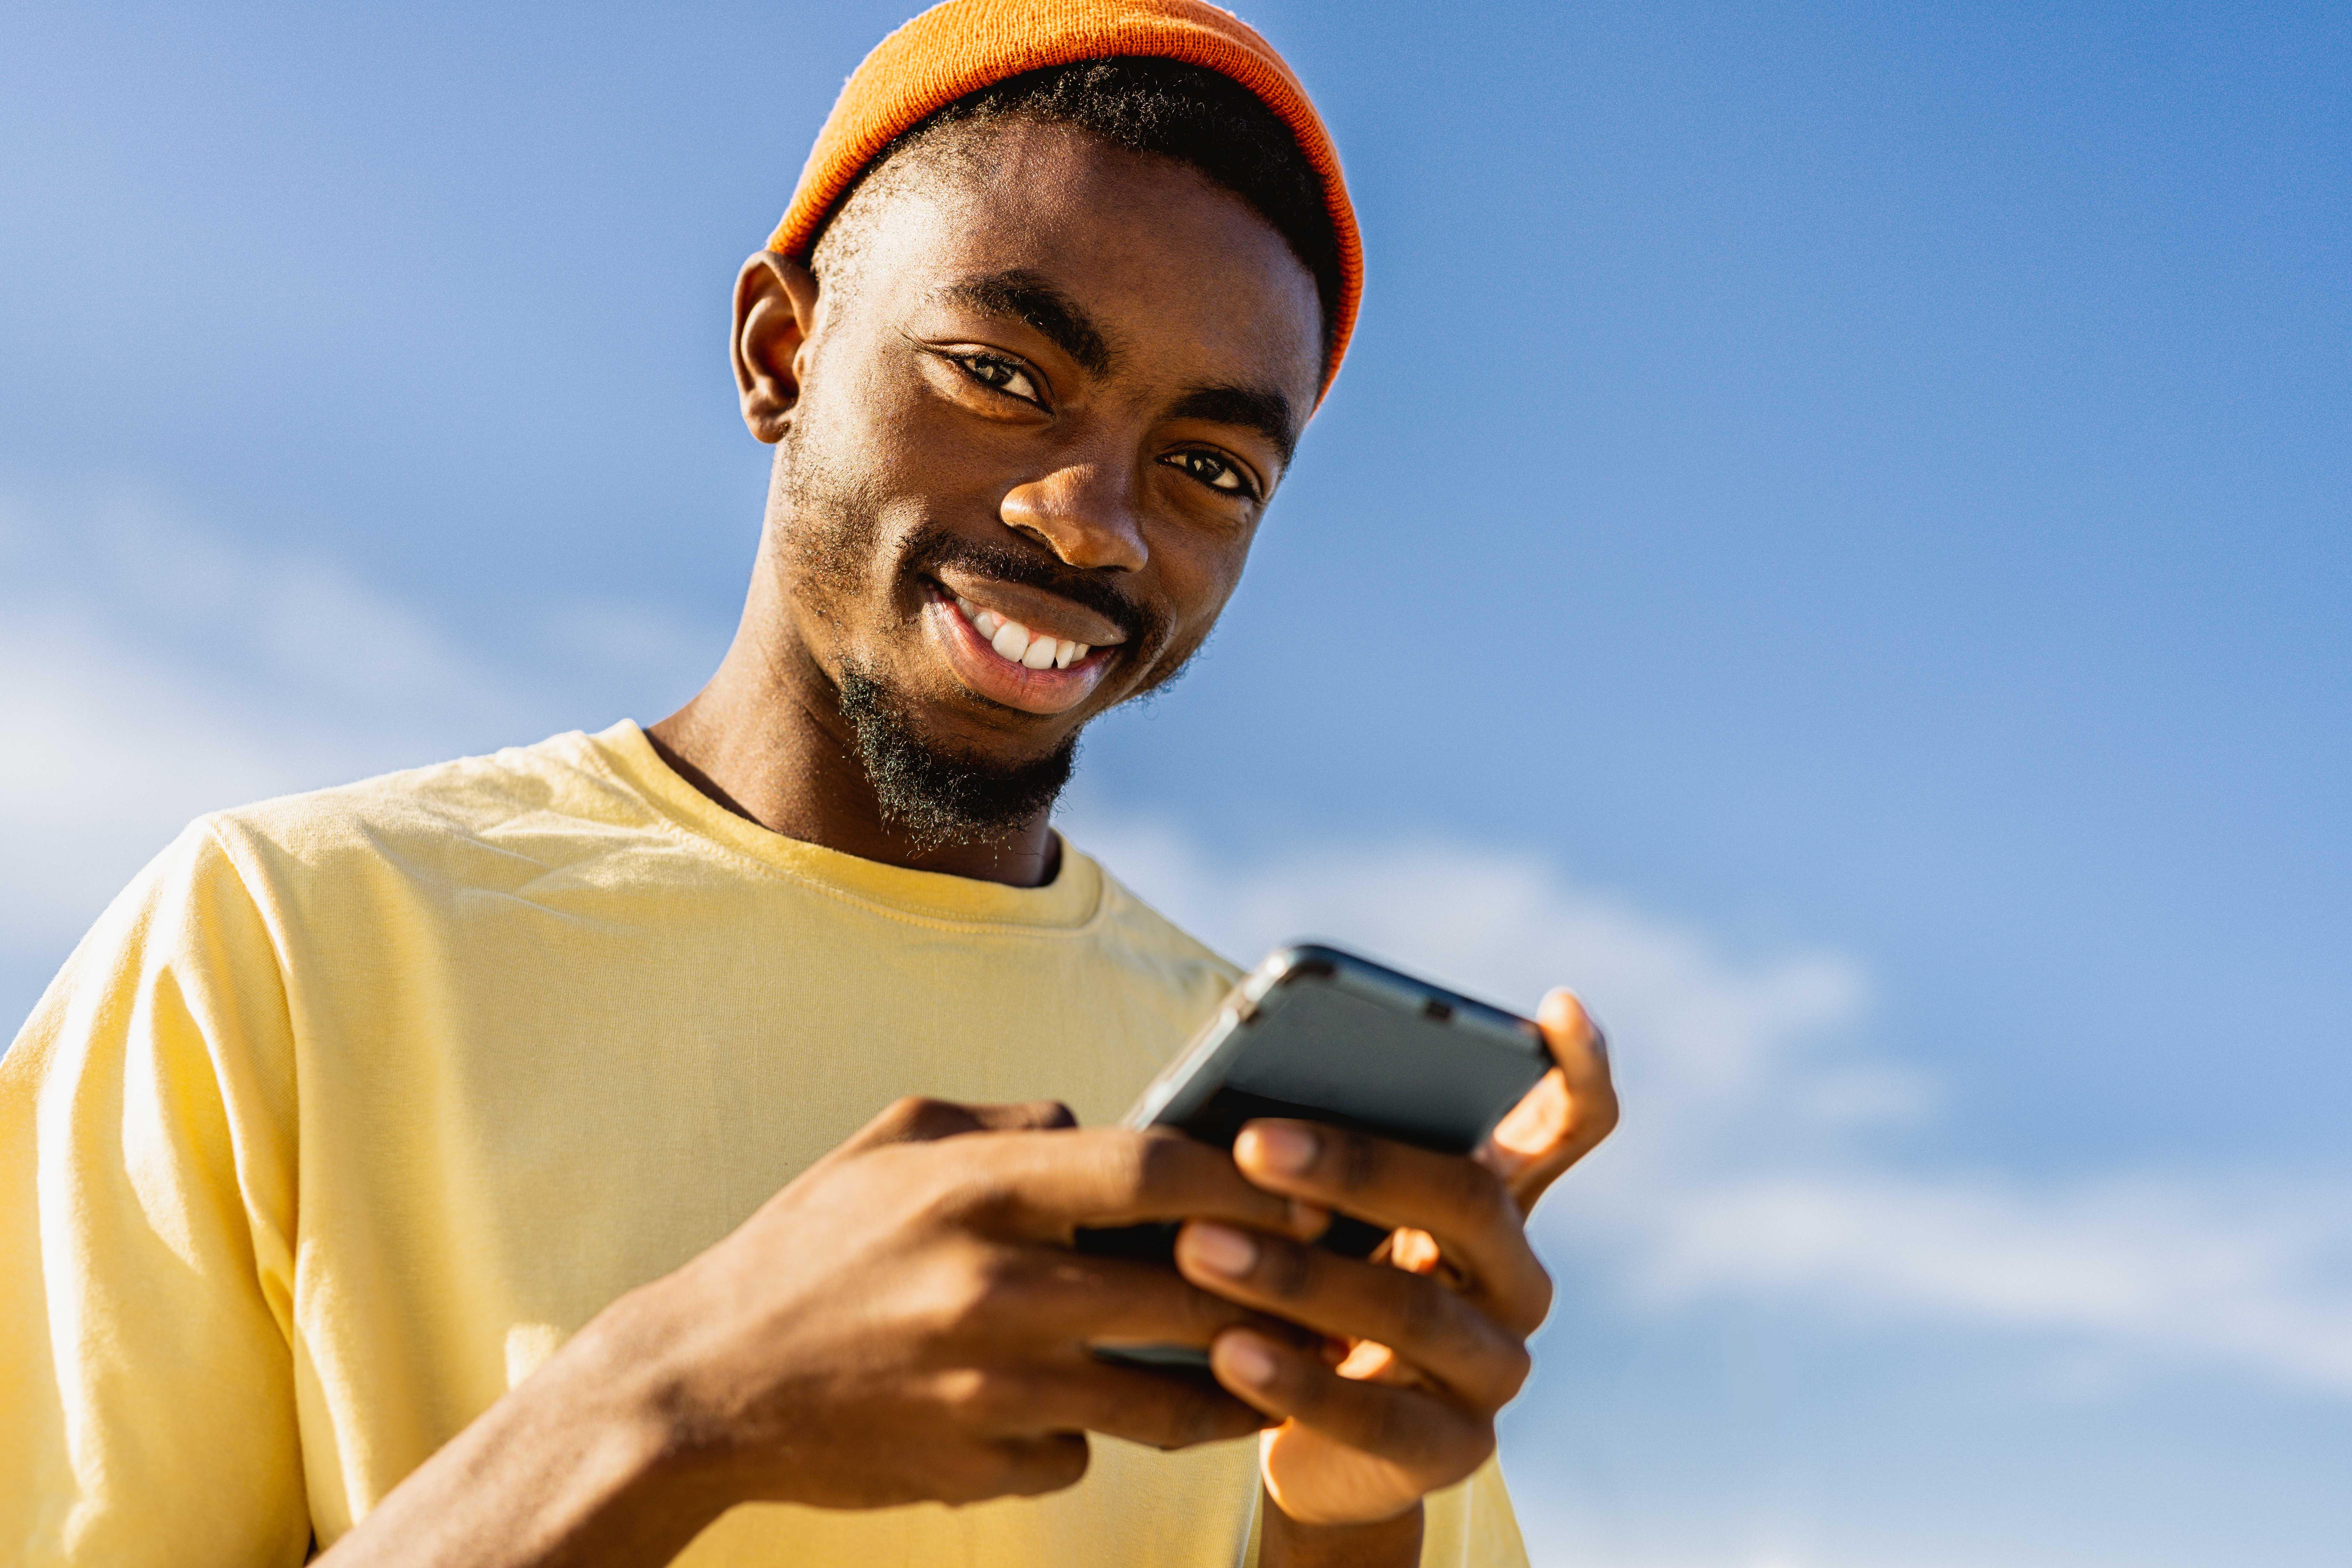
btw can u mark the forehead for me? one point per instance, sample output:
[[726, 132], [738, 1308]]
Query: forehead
[[1187, 283]]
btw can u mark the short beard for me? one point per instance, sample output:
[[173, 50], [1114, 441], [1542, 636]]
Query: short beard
[[937, 796]]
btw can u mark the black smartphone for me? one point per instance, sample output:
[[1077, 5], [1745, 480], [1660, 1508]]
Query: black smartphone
[[1320, 1034]]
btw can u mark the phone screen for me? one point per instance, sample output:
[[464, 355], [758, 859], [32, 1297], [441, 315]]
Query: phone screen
[[1320, 1034]]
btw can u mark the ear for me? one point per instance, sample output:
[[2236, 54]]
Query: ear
[[775, 311]]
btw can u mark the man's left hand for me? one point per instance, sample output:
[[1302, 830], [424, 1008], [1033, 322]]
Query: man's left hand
[[1428, 1340]]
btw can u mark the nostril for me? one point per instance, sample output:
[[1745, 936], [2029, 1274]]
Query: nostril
[[1081, 515], [1037, 536]]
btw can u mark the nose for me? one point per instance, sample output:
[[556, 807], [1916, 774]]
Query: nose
[[1084, 512]]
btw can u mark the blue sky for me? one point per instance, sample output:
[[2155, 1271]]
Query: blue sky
[[1832, 538]]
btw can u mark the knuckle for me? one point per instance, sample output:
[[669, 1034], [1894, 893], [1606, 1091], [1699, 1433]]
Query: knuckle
[[966, 1395], [1479, 1195], [979, 1288], [1518, 1364], [1447, 1445], [1204, 1315], [1154, 1164], [1202, 1420], [1354, 1161], [1191, 1417], [953, 1196], [911, 1115], [1539, 1298], [988, 1400], [1605, 1113], [1428, 1314], [1283, 1268], [889, 1124]]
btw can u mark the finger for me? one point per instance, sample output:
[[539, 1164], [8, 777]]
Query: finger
[[1430, 1327], [1414, 1430], [1457, 1200], [1025, 1467], [1028, 1115], [1063, 1295], [1046, 1185], [1147, 1407], [1566, 1115]]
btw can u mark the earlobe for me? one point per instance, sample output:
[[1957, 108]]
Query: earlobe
[[775, 311]]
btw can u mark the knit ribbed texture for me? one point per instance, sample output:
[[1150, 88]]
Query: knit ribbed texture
[[961, 46]]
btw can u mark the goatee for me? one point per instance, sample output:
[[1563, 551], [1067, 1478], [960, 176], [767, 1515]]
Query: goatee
[[936, 795]]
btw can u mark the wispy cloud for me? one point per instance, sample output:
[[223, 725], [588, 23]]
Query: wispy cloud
[[153, 668], [1761, 1155]]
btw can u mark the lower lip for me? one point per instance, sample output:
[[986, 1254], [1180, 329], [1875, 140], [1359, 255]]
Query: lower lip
[[990, 674]]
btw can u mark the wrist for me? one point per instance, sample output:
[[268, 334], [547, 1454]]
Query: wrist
[[576, 1468], [659, 1456], [1285, 1542]]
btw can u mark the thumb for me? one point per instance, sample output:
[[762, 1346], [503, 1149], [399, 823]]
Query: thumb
[[1568, 1112]]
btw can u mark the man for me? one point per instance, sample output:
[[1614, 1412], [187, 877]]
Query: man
[[436, 1170]]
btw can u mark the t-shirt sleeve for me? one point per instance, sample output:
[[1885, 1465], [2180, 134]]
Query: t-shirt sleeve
[[147, 1164]]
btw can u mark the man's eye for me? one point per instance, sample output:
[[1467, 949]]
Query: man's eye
[[1000, 374], [1213, 472]]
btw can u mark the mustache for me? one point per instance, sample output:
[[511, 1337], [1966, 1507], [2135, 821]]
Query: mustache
[[1144, 627]]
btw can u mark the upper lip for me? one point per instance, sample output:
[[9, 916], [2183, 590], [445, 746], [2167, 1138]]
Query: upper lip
[[1040, 610]]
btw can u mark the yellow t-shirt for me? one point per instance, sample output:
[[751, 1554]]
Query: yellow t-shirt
[[355, 1104]]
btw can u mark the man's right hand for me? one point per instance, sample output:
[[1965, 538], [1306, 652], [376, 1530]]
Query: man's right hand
[[903, 1323]]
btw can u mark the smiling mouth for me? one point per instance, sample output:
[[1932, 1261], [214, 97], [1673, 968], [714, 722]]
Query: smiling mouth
[[1016, 644], [1006, 662]]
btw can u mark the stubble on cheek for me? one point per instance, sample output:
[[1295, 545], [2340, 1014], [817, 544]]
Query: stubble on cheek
[[830, 538]]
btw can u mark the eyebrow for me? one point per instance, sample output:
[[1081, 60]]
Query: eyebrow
[[1252, 408], [1024, 295]]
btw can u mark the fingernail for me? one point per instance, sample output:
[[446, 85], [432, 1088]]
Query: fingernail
[[1287, 1149], [1220, 1250], [1245, 1361]]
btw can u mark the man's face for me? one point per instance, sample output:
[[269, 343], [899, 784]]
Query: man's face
[[1051, 396]]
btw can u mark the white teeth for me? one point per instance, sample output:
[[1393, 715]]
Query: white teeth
[[1012, 641]]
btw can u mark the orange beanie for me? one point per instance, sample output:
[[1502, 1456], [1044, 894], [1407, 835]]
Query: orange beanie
[[961, 46]]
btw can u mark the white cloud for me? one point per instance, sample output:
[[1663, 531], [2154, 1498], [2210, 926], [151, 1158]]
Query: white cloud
[[1751, 1163], [2256, 1277], [108, 753], [152, 670]]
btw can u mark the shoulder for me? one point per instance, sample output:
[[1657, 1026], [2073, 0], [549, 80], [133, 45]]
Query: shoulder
[[468, 794], [1130, 922], [480, 821]]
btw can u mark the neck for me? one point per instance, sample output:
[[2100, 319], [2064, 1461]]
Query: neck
[[766, 740]]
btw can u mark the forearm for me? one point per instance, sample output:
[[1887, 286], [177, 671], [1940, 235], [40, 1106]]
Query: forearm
[[1284, 1542], [575, 1468]]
